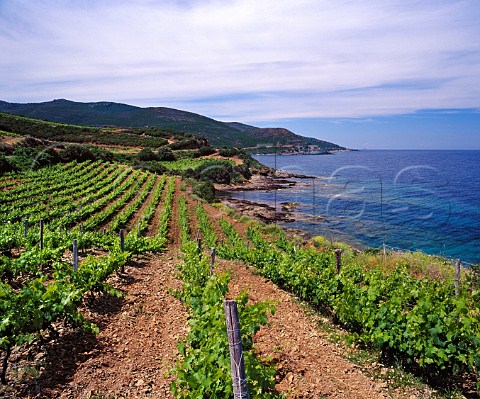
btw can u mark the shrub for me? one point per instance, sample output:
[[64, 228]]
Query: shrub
[[5, 165], [25, 158], [215, 171], [147, 155], [104, 155], [152, 166], [228, 152], [243, 170], [76, 152], [165, 154], [204, 151], [205, 190]]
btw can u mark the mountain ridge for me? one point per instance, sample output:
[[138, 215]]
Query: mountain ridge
[[106, 113]]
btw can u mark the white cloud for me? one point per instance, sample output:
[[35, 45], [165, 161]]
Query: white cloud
[[263, 60]]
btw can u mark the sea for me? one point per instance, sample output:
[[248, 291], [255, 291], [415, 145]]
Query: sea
[[406, 200]]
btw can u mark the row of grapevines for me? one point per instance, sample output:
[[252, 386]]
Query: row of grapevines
[[27, 311], [149, 211], [51, 205], [39, 187], [102, 198], [206, 227], [134, 241], [122, 218], [44, 174], [12, 234], [204, 370], [419, 321], [166, 214], [99, 217]]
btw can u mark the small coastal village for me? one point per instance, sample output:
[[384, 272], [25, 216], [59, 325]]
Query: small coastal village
[[297, 150]]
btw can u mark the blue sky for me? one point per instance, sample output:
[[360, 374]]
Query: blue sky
[[363, 74]]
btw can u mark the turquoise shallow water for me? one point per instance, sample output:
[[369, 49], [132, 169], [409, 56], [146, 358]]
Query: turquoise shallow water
[[411, 200]]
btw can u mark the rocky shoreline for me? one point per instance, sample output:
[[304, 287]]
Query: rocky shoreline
[[269, 181], [264, 212]]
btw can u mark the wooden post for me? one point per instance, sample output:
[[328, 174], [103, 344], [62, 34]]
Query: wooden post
[[41, 234], [239, 379], [104, 231], [3, 373], [212, 261], [338, 258], [457, 276], [25, 229], [75, 254], [122, 246], [122, 240], [199, 245]]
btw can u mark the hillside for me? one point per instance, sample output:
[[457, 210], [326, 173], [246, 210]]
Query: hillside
[[218, 133], [126, 137]]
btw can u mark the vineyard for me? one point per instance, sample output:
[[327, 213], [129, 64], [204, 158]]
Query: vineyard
[[70, 231]]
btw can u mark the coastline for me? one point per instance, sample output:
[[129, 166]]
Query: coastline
[[263, 212], [265, 182], [286, 215]]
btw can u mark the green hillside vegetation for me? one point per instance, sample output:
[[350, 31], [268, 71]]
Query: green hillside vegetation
[[29, 144], [145, 137], [218, 133]]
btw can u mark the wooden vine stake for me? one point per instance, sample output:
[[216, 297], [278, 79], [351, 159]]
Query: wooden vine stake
[[199, 245], [338, 263], [25, 228], [41, 234], [75, 254], [212, 261], [239, 379], [457, 276], [122, 246], [3, 373]]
